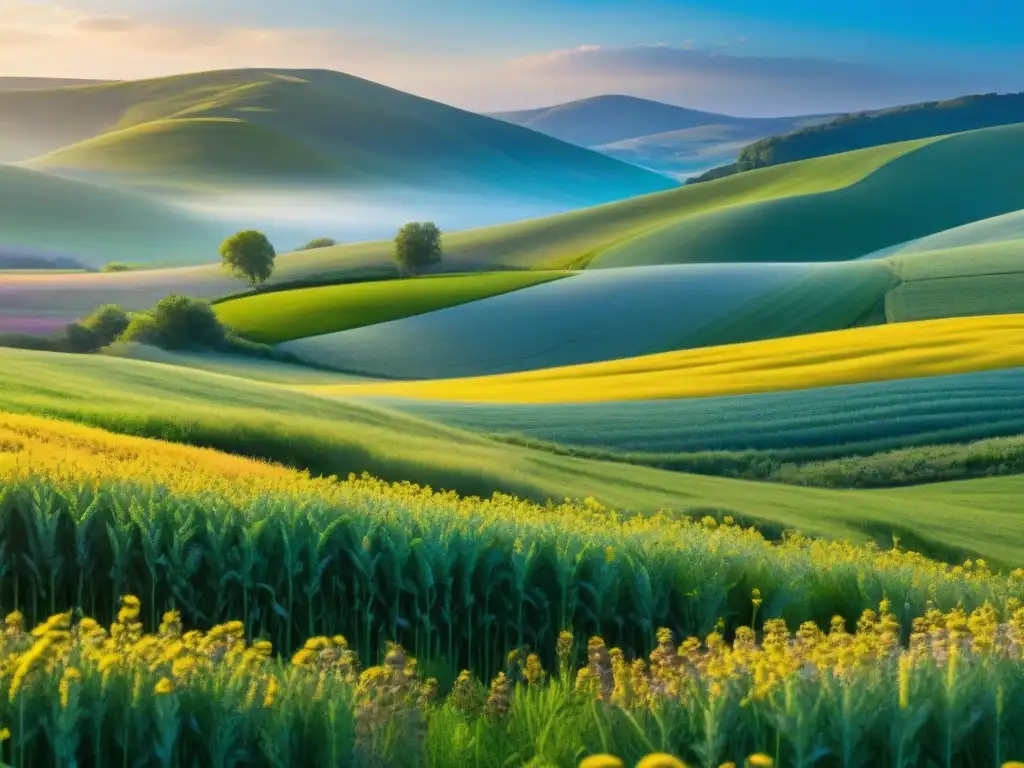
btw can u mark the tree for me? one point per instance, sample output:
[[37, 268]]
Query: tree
[[108, 323], [418, 246], [249, 255]]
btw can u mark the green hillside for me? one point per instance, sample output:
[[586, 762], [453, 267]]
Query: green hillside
[[188, 151], [95, 224], [928, 187], [285, 315], [262, 420], [296, 122], [871, 129]]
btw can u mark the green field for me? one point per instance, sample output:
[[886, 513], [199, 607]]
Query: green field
[[262, 420], [282, 316], [607, 314]]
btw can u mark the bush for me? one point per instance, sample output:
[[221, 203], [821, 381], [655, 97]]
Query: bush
[[107, 323], [318, 242], [117, 266], [249, 255], [77, 337], [177, 322]]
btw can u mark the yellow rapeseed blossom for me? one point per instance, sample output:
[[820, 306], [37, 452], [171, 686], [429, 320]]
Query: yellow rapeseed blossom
[[601, 761], [661, 760], [163, 687], [760, 760]]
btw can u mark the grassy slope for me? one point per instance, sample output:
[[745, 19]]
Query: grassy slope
[[946, 183], [192, 151], [880, 353], [262, 420], [50, 213], [608, 314], [311, 121], [278, 317]]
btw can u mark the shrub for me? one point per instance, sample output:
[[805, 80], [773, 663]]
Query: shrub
[[107, 323], [78, 337], [418, 246], [117, 266], [318, 242], [177, 322], [249, 255]]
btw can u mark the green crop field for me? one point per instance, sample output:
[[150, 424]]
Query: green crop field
[[286, 315], [263, 420]]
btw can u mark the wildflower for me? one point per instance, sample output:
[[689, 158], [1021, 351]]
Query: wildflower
[[272, 688], [661, 760], [533, 672], [500, 696], [70, 676], [601, 761], [760, 760], [163, 687]]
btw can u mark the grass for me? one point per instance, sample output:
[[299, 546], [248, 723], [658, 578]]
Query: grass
[[283, 316], [332, 437], [951, 182], [246, 557], [880, 353], [92, 222]]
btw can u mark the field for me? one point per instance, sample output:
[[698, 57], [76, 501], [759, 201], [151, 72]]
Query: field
[[906, 350], [533, 567], [729, 473], [286, 315]]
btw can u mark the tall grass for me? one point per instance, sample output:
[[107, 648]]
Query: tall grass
[[85, 517]]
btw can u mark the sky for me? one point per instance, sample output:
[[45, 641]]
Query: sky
[[742, 57]]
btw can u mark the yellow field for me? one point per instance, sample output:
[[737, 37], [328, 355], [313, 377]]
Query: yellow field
[[880, 353]]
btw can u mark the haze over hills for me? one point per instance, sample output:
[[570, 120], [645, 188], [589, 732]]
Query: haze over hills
[[43, 83], [663, 137], [302, 153]]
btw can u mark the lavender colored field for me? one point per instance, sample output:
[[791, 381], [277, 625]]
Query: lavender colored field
[[35, 325]]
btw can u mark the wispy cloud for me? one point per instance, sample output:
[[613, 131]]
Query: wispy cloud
[[722, 77]]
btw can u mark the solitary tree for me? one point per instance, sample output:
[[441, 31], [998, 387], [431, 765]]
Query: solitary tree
[[418, 246], [249, 255]]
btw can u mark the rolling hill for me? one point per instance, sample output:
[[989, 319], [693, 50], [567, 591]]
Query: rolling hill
[[870, 129], [666, 138], [298, 126], [53, 216]]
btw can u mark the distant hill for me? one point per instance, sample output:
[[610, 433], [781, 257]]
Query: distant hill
[[43, 83], [870, 129], [663, 137], [244, 127]]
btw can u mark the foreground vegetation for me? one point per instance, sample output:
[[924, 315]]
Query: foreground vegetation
[[79, 691], [543, 634]]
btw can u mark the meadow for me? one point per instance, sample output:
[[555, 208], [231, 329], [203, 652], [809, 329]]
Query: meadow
[[503, 590]]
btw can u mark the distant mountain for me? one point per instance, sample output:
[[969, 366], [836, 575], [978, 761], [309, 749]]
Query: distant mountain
[[666, 138], [245, 128], [43, 83], [871, 129]]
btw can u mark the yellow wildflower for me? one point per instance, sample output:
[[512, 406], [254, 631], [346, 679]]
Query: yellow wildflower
[[760, 760], [163, 687], [601, 761], [661, 760]]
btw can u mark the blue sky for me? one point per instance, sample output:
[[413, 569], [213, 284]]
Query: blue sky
[[754, 57]]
